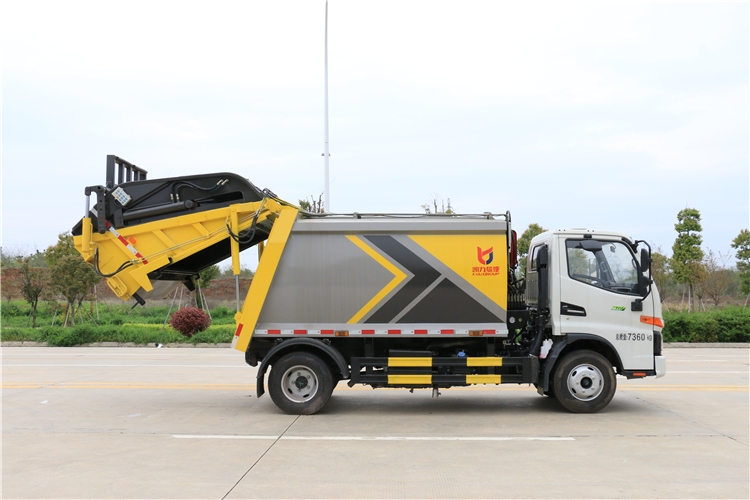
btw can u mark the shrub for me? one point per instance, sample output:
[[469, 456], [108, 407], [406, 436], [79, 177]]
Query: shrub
[[20, 334], [189, 321], [731, 324], [215, 335], [68, 337]]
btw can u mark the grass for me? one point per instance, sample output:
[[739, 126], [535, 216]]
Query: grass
[[119, 323]]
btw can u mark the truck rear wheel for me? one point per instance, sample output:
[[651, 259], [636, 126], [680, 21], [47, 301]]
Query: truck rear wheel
[[300, 383], [584, 382]]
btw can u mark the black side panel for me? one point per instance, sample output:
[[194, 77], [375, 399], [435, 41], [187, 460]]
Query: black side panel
[[424, 276], [447, 303]]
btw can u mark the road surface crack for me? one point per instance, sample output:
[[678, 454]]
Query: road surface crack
[[261, 457]]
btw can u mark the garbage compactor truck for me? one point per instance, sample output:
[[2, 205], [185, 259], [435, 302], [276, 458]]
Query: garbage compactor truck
[[387, 300]]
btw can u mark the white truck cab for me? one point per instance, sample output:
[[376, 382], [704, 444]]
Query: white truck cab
[[600, 298]]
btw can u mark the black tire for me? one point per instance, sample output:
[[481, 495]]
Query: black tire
[[584, 382], [300, 383]]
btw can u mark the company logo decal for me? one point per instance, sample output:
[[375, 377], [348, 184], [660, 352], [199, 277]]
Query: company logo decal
[[485, 258]]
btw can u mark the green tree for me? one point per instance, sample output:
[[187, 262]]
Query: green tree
[[742, 244], [208, 275], [73, 278], [660, 272], [687, 254], [38, 259], [64, 247], [716, 276], [33, 282], [70, 275], [245, 272], [524, 242], [11, 283]]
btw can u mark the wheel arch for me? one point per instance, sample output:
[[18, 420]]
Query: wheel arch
[[328, 354], [575, 342]]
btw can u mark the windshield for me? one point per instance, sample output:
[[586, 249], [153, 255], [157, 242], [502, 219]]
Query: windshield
[[605, 264]]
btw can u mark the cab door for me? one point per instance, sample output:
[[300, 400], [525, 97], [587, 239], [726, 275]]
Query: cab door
[[598, 284]]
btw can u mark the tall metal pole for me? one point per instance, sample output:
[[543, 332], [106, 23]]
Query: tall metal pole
[[326, 183]]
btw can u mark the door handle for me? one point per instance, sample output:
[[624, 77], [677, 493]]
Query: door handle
[[572, 309]]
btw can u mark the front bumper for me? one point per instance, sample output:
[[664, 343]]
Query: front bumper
[[660, 364]]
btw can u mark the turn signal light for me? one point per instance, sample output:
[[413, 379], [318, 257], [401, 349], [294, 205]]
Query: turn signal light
[[651, 320], [342, 333]]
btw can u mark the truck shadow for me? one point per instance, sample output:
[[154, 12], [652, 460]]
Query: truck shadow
[[464, 403], [420, 403]]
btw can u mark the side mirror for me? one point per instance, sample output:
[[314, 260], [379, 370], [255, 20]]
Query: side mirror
[[645, 260]]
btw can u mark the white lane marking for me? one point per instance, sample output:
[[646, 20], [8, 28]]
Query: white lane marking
[[44, 402], [427, 438], [698, 361], [705, 371], [714, 355], [127, 352], [218, 436], [6, 365], [381, 438]]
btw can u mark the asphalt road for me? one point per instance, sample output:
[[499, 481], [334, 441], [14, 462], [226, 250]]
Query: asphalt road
[[185, 423]]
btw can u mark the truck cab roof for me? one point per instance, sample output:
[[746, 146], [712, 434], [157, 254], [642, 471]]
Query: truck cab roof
[[583, 232]]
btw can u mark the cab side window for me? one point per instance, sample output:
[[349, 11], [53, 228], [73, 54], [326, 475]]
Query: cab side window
[[605, 264], [532, 261]]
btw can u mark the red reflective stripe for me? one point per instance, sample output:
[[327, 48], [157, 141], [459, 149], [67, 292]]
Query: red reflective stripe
[[326, 332], [125, 242], [239, 330], [274, 332], [420, 332], [394, 332], [300, 332], [368, 332], [446, 332], [489, 332]]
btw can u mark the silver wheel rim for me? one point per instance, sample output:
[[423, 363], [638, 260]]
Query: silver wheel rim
[[299, 384], [585, 382]]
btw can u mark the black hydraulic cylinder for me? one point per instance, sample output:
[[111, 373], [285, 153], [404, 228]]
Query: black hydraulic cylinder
[[158, 210]]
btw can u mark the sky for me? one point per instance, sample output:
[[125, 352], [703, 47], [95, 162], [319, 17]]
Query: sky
[[603, 115]]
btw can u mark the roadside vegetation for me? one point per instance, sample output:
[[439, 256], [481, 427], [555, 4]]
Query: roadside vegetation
[[114, 323]]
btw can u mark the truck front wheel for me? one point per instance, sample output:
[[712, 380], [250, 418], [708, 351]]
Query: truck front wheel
[[300, 383], [584, 382]]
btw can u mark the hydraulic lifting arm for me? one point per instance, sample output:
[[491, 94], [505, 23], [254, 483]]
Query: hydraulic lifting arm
[[132, 256]]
